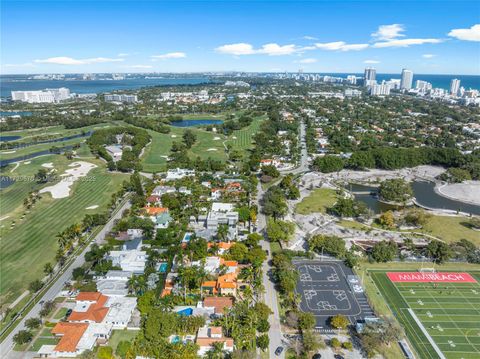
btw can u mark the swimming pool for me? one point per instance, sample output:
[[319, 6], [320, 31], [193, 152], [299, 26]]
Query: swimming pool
[[163, 267], [186, 312], [187, 237]]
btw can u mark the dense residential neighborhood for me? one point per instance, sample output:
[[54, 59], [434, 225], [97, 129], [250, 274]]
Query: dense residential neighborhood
[[228, 180]]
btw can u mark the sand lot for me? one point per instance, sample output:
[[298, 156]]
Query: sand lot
[[468, 191], [62, 189]]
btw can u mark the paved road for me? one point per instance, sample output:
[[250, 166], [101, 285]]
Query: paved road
[[270, 296], [303, 166], [7, 345]]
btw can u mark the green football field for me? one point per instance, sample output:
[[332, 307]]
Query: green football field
[[448, 312]]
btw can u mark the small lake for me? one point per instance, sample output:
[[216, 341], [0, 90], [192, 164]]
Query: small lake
[[15, 113], [424, 193], [9, 138], [4, 163], [61, 139], [196, 122], [6, 181]]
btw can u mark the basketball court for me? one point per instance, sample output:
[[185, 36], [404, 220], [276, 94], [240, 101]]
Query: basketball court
[[326, 292]]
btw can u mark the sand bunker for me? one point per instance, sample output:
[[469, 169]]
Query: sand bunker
[[47, 165], [7, 152], [212, 149], [174, 136], [62, 188], [92, 207], [234, 137], [27, 162], [216, 138]]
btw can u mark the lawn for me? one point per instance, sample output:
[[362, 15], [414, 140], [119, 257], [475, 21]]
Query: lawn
[[61, 313], [43, 341], [243, 139], [26, 246], [119, 335], [447, 228], [208, 144], [451, 229], [318, 201], [450, 316]]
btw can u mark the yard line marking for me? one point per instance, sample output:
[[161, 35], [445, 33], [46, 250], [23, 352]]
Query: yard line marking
[[429, 338]]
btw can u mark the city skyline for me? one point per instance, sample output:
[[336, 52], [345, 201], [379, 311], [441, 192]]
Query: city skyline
[[328, 37]]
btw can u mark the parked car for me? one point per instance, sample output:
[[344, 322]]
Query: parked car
[[278, 351]]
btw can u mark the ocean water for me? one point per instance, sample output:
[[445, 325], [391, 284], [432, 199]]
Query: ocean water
[[10, 83]]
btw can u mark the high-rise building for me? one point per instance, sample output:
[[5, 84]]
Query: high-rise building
[[454, 87], [42, 96], [369, 76], [407, 80], [352, 79], [380, 90], [423, 85]]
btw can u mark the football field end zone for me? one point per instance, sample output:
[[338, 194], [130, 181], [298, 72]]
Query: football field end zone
[[438, 277], [424, 331]]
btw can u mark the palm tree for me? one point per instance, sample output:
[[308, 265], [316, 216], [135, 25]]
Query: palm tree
[[63, 240], [222, 231], [132, 284]]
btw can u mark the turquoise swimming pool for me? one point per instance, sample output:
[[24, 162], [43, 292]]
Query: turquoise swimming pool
[[163, 267]]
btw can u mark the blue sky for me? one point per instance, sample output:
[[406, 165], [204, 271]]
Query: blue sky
[[439, 37]]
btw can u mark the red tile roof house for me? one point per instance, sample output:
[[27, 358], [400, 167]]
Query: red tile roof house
[[219, 303], [207, 336], [90, 308], [75, 338]]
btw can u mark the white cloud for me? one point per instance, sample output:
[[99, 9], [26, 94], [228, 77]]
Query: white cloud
[[237, 49], [371, 62], [405, 42], [64, 60], [277, 50], [389, 32], [340, 46], [123, 54], [307, 61], [170, 55], [306, 37], [271, 49], [428, 56], [471, 34]]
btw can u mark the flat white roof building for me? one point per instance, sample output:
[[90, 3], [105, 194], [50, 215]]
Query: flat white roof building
[[130, 261], [114, 283], [120, 311]]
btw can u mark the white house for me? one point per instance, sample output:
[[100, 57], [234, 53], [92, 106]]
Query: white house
[[207, 336], [129, 260], [179, 173], [120, 311], [114, 283]]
